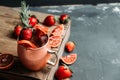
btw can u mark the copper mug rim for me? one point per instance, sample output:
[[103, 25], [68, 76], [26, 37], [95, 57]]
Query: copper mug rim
[[47, 43]]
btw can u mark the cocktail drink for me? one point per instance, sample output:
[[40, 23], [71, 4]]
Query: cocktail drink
[[33, 42]]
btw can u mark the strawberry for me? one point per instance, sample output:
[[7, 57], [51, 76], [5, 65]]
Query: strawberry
[[63, 72], [17, 30], [64, 18], [26, 33], [70, 45], [49, 20], [33, 21]]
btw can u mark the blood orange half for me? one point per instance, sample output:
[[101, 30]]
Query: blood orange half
[[69, 59], [6, 61], [58, 31], [55, 41], [27, 44]]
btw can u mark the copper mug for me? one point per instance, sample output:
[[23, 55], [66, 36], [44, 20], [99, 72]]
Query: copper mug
[[36, 58]]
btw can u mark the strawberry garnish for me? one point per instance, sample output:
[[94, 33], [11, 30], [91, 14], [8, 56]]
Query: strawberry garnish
[[33, 21], [26, 34]]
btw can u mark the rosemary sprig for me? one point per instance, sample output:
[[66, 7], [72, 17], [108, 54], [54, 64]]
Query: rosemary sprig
[[24, 14]]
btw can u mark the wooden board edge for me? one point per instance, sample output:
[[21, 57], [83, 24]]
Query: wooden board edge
[[60, 53]]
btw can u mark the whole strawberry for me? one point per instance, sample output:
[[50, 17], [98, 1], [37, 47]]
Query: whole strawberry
[[70, 45], [17, 30], [63, 72], [64, 18], [49, 20], [26, 33], [33, 20]]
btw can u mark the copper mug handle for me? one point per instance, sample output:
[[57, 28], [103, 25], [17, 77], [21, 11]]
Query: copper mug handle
[[50, 62]]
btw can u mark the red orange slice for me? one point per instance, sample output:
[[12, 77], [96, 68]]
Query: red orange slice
[[42, 28], [69, 59], [55, 41], [58, 31], [27, 44]]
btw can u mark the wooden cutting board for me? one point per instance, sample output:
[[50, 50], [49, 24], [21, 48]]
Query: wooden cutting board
[[9, 17]]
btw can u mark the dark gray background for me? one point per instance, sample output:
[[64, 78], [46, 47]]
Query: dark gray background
[[96, 32], [54, 2]]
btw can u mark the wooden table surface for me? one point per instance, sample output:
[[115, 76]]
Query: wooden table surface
[[9, 17]]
